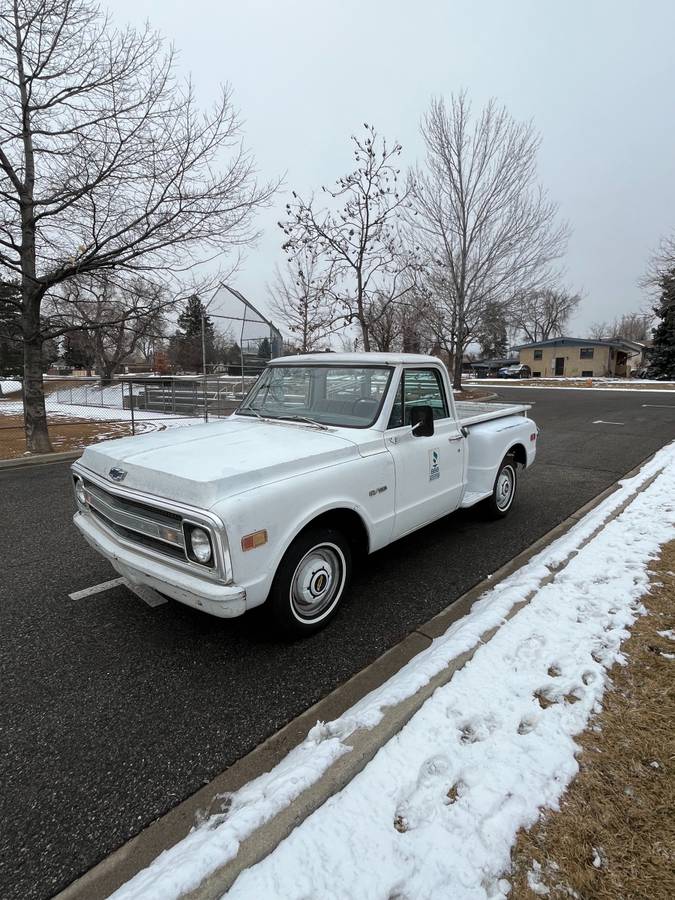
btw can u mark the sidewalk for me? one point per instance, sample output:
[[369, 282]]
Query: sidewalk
[[437, 810]]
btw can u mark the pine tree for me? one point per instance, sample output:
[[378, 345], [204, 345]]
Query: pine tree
[[491, 333], [78, 351], [11, 351], [186, 343], [662, 353]]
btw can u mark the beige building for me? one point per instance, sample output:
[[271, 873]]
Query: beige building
[[580, 358]]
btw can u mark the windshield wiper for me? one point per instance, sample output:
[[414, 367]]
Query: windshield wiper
[[296, 418]]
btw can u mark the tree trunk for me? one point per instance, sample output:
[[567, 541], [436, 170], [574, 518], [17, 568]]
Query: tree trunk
[[35, 414], [457, 366]]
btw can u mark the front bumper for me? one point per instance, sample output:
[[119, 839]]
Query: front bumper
[[222, 600]]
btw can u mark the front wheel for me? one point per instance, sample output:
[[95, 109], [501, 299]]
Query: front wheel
[[504, 490], [310, 581]]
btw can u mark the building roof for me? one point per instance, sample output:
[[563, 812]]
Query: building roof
[[493, 363], [582, 342]]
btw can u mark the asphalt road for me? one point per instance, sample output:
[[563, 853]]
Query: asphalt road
[[113, 712]]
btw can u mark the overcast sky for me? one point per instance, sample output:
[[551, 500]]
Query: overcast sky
[[597, 79]]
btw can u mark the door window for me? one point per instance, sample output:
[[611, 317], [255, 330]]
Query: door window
[[418, 387]]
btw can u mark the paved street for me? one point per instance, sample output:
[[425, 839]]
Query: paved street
[[113, 712]]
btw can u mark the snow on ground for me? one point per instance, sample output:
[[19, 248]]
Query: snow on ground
[[668, 387], [436, 811], [104, 413], [9, 387]]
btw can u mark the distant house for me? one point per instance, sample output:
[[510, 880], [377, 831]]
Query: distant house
[[581, 358]]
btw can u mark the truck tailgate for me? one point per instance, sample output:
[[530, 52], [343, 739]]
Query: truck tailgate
[[470, 412]]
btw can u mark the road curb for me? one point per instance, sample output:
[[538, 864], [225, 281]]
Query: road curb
[[39, 459], [104, 878]]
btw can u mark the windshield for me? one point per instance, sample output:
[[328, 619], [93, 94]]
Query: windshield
[[348, 396]]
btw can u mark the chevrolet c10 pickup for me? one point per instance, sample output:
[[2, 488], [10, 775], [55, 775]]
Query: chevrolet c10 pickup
[[329, 456]]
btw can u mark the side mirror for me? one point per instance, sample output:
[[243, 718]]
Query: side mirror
[[422, 421]]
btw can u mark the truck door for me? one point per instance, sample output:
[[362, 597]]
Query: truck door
[[429, 470]]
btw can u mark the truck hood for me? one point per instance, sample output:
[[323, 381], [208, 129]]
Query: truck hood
[[202, 464]]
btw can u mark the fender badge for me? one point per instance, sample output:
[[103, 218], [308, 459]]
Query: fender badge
[[117, 474]]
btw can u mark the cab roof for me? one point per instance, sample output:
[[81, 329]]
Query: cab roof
[[358, 359]]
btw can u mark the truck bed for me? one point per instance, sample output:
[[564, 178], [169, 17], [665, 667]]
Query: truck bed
[[470, 412]]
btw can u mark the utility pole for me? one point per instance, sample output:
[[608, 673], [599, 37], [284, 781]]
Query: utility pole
[[204, 373]]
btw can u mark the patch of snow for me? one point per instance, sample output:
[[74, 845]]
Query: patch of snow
[[556, 387], [9, 387], [534, 880], [484, 742], [670, 634], [101, 413], [599, 858]]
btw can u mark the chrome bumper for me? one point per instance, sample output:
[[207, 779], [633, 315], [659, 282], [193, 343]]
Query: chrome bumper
[[223, 600]]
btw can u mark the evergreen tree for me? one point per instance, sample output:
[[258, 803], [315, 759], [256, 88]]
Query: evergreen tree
[[492, 332], [186, 344], [264, 349], [11, 351], [78, 351], [662, 354]]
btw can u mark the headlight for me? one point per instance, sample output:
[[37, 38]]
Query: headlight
[[200, 545], [80, 492]]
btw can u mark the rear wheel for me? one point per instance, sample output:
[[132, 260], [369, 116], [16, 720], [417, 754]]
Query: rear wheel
[[504, 490], [310, 581]]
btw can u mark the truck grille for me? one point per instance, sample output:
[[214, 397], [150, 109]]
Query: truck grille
[[154, 528]]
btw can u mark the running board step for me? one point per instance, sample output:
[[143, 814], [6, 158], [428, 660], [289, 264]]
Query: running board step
[[473, 497]]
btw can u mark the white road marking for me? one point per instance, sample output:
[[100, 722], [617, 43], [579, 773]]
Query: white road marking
[[152, 598], [602, 422], [659, 405], [96, 589]]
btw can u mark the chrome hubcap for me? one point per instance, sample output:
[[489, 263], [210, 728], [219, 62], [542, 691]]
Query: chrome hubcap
[[317, 581], [504, 491]]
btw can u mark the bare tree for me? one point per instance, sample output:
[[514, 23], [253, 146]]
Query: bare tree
[[488, 230], [540, 315], [661, 265], [106, 163], [629, 327], [358, 239], [114, 321], [598, 331], [302, 298], [402, 325]]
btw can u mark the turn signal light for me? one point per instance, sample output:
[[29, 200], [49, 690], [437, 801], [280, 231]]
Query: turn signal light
[[251, 541]]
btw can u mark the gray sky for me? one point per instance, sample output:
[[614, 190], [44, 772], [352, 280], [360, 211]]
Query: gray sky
[[596, 77]]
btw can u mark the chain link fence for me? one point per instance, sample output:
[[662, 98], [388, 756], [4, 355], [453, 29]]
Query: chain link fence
[[130, 404]]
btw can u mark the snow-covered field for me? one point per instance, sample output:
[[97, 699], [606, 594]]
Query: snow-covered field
[[437, 810], [8, 386], [112, 411]]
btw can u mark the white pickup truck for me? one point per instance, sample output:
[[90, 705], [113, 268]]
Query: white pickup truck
[[329, 456]]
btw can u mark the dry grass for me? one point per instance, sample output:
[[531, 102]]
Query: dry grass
[[472, 394], [71, 435], [614, 836]]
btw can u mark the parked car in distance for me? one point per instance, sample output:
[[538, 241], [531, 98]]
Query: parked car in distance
[[515, 372], [329, 457]]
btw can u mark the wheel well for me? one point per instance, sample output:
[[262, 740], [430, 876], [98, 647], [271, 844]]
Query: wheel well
[[519, 454], [349, 523]]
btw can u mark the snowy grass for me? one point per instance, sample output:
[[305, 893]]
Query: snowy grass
[[437, 810], [9, 387]]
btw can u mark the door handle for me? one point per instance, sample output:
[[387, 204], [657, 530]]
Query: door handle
[[456, 437]]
